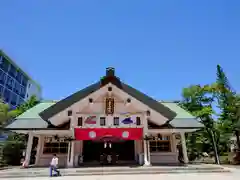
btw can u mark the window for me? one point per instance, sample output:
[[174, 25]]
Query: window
[[116, 121], [22, 91], [20, 101], [138, 121], [24, 81], [19, 77], [102, 121], [2, 77], [10, 82], [69, 113], [12, 71], [163, 145], [6, 95], [55, 147], [80, 121], [4, 64], [16, 88], [13, 99], [1, 91]]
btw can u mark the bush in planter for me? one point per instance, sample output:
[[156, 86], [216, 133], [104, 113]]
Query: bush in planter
[[12, 152], [2, 162]]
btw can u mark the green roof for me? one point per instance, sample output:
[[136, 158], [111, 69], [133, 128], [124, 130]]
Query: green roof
[[31, 119], [19, 69], [181, 113], [183, 119]]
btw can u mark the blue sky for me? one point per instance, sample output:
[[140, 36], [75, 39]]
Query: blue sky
[[157, 46]]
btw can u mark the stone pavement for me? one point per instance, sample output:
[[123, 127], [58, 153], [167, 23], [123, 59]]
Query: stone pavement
[[218, 176], [121, 171]]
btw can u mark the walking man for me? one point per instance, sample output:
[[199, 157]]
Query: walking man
[[54, 166]]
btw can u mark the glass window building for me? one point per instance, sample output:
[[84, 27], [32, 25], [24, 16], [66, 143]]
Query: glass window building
[[15, 85]]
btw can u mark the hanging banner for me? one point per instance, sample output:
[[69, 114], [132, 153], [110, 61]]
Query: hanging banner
[[117, 133], [109, 107]]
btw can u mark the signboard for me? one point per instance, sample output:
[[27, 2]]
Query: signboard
[[109, 107]]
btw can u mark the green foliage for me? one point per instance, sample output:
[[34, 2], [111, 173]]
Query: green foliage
[[11, 149], [5, 114], [199, 101], [2, 161], [229, 104], [27, 105], [12, 152]]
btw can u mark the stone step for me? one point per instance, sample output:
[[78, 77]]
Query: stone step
[[66, 172]]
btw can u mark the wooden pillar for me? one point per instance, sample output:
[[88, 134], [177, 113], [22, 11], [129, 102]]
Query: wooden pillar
[[184, 147], [145, 142], [38, 150], [29, 148], [145, 149]]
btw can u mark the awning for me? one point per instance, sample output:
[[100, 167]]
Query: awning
[[101, 133]]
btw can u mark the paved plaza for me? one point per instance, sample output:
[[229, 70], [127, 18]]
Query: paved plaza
[[218, 176], [233, 175]]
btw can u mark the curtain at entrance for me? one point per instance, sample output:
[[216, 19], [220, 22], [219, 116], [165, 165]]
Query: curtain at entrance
[[99, 133]]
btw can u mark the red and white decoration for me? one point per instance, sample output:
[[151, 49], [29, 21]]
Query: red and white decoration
[[98, 133], [91, 120]]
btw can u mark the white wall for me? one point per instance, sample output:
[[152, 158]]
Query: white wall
[[166, 157]]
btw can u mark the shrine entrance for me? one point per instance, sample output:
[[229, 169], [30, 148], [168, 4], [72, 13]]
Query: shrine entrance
[[100, 151]]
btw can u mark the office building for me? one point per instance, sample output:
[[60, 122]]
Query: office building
[[16, 86]]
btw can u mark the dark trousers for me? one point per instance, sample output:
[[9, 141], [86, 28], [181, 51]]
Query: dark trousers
[[54, 168]]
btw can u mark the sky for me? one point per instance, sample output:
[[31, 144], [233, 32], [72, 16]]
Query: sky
[[156, 46]]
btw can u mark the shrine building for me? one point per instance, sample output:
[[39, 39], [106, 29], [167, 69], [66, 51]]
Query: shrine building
[[106, 119]]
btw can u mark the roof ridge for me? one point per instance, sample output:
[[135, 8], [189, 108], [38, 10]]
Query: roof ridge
[[169, 101], [48, 101]]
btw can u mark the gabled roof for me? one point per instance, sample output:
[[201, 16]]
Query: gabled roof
[[31, 120], [109, 78], [183, 119]]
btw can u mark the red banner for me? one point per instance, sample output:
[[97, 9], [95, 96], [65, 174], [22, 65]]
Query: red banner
[[117, 133]]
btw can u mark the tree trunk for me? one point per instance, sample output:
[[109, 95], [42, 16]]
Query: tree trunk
[[217, 161], [237, 155], [213, 139], [237, 139]]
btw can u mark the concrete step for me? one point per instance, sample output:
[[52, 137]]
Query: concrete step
[[114, 171]]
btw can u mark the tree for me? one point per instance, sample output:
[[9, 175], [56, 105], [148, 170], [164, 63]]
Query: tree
[[229, 104], [27, 105], [15, 143], [5, 113], [198, 101]]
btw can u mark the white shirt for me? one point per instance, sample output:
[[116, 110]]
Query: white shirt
[[54, 161], [109, 158]]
